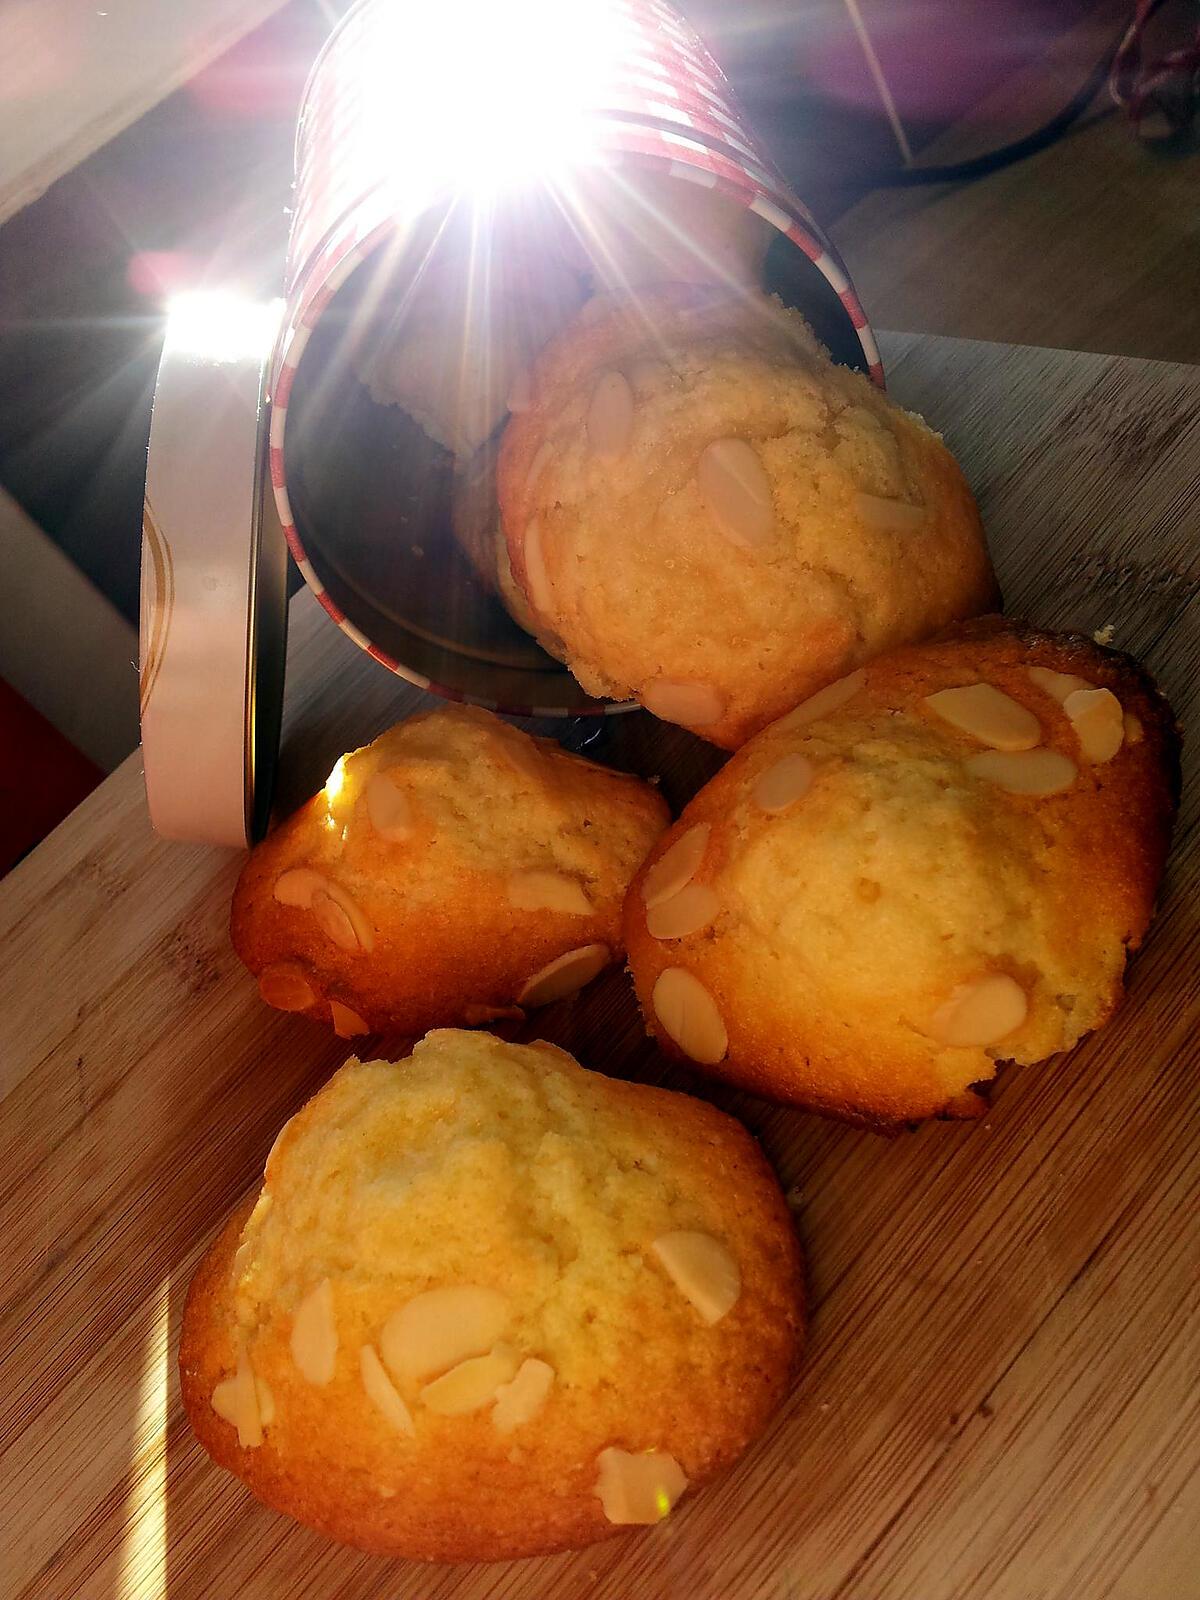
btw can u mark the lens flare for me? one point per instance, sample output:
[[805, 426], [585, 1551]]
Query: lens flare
[[220, 326], [487, 96]]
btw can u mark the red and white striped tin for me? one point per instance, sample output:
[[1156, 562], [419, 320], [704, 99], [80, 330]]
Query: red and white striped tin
[[372, 160]]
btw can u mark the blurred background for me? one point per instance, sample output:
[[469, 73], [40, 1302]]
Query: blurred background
[[146, 149]]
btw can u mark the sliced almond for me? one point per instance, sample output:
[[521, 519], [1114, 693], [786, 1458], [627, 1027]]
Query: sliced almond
[[389, 808], [889, 516], [781, 785], [235, 1400], [436, 1330], [266, 1401], [222, 1401], [685, 913], [688, 1014], [339, 915], [736, 492], [703, 1270], [382, 1392], [1058, 685], [1133, 729], [243, 1255], [610, 417], [689, 704], [677, 866], [536, 578], [314, 1340], [472, 1384], [1098, 721], [541, 459], [335, 911], [284, 985], [332, 920], [565, 975], [987, 714], [980, 1013], [1032, 772], [548, 891], [297, 886], [520, 1401], [827, 700], [638, 1489], [347, 1024]]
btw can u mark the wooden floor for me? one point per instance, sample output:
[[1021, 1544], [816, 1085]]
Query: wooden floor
[[1093, 244]]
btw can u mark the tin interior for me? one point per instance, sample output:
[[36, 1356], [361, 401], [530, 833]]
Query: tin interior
[[372, 495]]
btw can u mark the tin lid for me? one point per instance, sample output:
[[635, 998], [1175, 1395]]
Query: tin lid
[[214, 577]]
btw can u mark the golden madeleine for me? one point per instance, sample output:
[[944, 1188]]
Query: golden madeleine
[[935, 865], [706, 514], [489, 1304], [454, 870]]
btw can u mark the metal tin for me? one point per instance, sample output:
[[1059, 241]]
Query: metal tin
[[368, 181], [214, 568]]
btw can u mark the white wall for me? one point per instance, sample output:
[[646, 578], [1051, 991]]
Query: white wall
[[74, 73]]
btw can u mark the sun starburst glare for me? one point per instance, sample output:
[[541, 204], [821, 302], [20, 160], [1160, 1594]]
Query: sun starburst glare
[[221, 326], [482, 129], [491, 95]]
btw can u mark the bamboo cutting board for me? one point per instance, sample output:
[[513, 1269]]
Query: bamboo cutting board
[[1000, 1399]]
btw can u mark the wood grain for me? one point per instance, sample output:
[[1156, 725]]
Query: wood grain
[[1000, 1400], [1091, 244]]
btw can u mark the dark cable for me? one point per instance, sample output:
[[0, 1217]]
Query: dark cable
[[993, 160]]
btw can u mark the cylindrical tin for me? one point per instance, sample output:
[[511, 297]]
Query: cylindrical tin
[[632, 90]]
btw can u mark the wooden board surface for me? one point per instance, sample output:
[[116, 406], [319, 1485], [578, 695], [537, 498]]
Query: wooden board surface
[[1090, 244], [1000, 1399]]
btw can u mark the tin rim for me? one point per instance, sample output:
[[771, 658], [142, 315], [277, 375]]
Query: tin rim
[[213, 612], [780, 210]]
